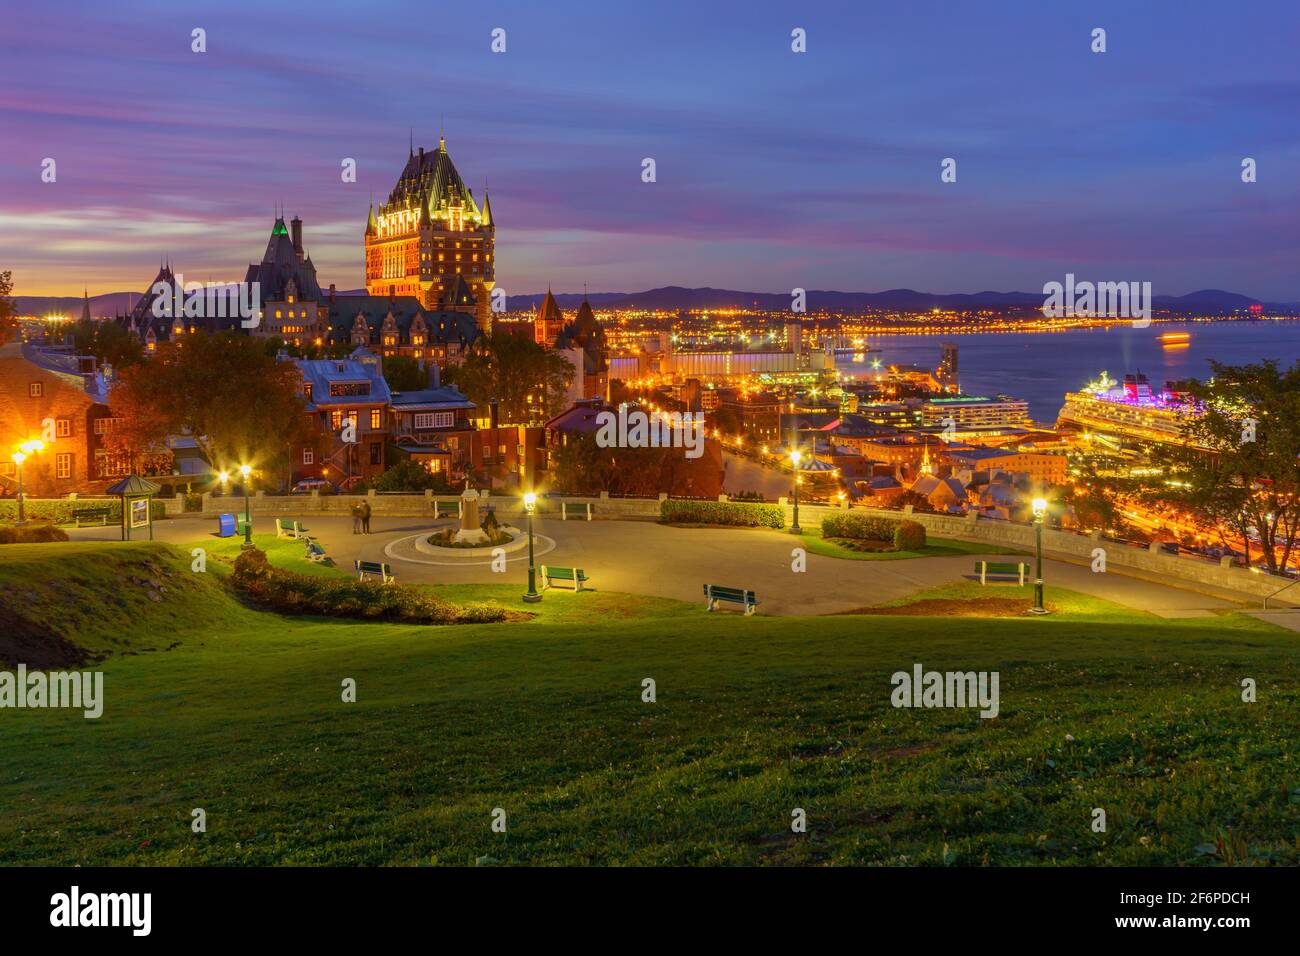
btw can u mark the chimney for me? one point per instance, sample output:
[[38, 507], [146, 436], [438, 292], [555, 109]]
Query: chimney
[[295, 227], [435, 375], [494, 413], [331, 295]]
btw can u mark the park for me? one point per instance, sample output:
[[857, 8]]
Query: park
[[1127, 696]]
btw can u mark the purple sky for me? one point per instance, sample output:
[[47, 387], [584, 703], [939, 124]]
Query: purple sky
[[775, 169]]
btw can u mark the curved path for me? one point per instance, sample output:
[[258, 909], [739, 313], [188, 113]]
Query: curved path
[[643, 557]]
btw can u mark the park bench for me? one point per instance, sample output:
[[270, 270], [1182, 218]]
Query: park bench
[[1001, 569], [552, 574], [315, 552], [713, 593], [446, 509], [284, 528], [100, 513], [382, 571]]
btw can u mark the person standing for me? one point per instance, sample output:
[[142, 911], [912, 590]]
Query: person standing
[[365, 517], [356, 519]]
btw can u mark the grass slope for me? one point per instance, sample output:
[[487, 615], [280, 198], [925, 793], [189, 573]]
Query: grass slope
[[754, 717], [934, 548]]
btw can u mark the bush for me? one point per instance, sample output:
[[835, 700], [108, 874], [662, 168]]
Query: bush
[[291, 593], [909, 536], [32, 534], [59, 510], [903, 535], [447, 539], [730, 513]]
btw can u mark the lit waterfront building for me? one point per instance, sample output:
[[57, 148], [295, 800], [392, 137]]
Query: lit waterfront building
[[975, 412]]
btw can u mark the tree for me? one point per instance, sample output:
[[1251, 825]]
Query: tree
[[403, 373], [411, 476], [512, 370], [917, 500], [1240, 465], [8, 311], [107, 341], [239, 404]]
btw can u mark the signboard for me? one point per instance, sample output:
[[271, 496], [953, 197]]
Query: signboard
[[139, 512]]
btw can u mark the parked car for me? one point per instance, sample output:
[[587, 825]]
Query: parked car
[[308, 485]]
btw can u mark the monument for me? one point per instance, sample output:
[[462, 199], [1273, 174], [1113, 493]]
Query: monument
[[470, 532]]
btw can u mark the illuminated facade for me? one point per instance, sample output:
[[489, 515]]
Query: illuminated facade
[[430, 235]]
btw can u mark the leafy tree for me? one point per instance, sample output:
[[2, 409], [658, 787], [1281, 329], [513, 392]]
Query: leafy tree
[[917, 500], [239, 404], [1240, 466], [512, 369], [411, 476], [107, 341], [403, 373]]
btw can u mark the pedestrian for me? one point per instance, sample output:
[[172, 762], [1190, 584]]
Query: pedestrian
[[365, 517], [356, 519]]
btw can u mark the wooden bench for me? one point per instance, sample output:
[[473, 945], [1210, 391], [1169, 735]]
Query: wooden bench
[[713, 593], [284, 528], [1001, 569], [382, 571], [315, 552], [551, 574], [100, 513]]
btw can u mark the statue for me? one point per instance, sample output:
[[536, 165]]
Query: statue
[[469, 524]]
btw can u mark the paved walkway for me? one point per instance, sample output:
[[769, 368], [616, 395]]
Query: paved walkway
[[643, 557]]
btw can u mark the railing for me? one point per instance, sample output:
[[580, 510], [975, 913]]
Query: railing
[[1279, 591]]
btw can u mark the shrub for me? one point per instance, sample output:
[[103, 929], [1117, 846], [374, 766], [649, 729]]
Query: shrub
[[733, 514], [447, 539], [32, 534], [292, 593], [909, 536], [59, 510], [490, 524], [903, 535]]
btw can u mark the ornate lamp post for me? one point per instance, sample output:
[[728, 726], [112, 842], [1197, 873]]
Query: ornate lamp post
[[795, 456], [245, 470], [1040, 509], [530, 505], [25, 450]]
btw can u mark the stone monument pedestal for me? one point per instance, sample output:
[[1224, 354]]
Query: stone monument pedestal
[[470, 532]]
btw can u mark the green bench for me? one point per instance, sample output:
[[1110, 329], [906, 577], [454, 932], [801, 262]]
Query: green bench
[[381, 571], [713, 593], [551, 574], [315, 552], [100, 513], [985, 569], [284, 528]]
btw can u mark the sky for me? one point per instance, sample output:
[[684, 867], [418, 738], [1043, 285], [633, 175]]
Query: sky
[[774, 169]]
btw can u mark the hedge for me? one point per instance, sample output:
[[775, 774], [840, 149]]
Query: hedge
[[905, 535], [292, 593], [731, 513], [60, 510]]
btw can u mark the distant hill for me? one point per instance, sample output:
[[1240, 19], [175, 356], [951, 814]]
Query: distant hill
[[1204, 301]]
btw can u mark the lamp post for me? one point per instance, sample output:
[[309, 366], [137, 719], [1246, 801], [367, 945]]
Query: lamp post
[[530, 504], [248, 515], [795, 456], [1040, 509], [25, 450]]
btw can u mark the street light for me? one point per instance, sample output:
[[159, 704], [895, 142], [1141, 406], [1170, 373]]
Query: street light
[[530, 505], [25, 450], [1040, 509], [795, 456], [248, 515]]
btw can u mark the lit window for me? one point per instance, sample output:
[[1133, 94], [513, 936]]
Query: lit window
[[63, 466], [63, 427], [376, 419]]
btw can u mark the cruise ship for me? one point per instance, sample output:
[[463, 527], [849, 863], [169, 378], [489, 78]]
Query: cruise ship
[[1128, 414]]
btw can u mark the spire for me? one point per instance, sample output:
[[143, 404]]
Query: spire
[[487, 208], [85, 305], [412, 146], [372, 227]]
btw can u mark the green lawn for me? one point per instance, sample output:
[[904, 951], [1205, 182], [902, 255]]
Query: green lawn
[[755, 716], [934, 547]]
